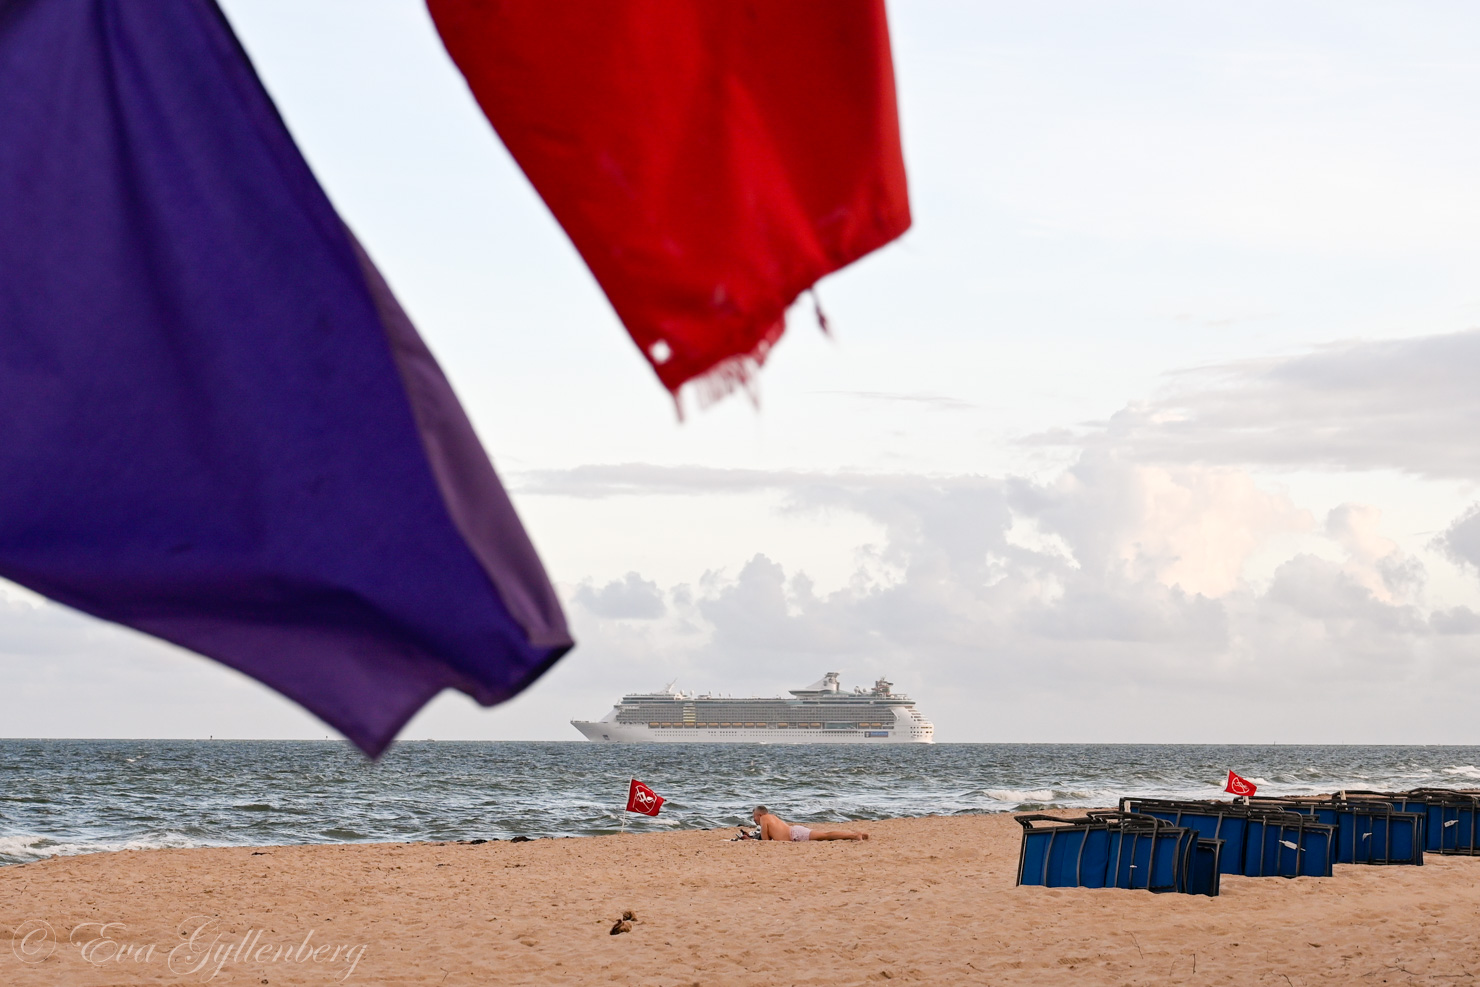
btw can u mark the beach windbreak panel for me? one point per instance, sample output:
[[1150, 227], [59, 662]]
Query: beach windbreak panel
[[216, 424], [710, 159]]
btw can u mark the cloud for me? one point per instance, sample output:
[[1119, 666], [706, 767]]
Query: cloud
[[1409, 405], [1462, 540], [1122, 589], [1194, 527], [639, 479], [1456, 620], [1191, 527], [1156, 570], [934, 402], [1146, 558], [1320, 590], [1375, 562], [631, 598]]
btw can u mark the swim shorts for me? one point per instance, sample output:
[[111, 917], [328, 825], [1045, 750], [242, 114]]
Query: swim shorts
[[800, 834]]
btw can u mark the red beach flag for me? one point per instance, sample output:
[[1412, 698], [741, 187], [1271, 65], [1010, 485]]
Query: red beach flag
[[1240, 786], [710, 161], [643, 799]]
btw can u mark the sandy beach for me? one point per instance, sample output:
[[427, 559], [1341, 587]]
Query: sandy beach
[[925, 901]]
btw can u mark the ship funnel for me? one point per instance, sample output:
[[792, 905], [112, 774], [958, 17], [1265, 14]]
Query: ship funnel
[[828, 683]]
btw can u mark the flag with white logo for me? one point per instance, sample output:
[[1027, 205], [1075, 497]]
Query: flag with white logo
[[643, 799], [1240, 786]]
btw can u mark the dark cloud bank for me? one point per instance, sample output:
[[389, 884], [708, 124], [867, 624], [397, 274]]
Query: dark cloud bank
[[1411, 405]]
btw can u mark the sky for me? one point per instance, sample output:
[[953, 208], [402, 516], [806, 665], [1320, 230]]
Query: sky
[[1159, 425]]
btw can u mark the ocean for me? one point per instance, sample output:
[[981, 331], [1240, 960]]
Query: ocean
[[86, 796]]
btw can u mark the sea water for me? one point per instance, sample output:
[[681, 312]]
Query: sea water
[[84, 796]]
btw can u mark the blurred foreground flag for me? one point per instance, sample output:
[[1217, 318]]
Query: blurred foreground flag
[[216, 424], [1240, 786], [710, 159], [643, 799]]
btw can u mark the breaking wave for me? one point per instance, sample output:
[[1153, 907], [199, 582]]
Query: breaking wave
[[24, 849]]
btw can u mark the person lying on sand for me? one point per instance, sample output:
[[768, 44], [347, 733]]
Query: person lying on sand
[[773, 827]]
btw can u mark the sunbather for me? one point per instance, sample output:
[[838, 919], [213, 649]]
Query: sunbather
[[773, 827]]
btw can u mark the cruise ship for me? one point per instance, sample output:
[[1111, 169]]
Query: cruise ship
[[822, 713]]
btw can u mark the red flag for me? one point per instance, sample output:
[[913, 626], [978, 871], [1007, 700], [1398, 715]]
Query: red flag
[[1240, 786], [643, 799], [710, 161]]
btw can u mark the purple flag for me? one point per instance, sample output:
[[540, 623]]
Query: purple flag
[[216, 424]]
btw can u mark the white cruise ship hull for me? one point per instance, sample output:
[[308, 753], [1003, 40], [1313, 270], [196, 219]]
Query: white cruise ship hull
[[603, 732], [819, 714]]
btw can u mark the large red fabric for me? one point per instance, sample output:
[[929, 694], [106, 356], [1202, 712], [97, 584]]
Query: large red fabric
[[711, 159]]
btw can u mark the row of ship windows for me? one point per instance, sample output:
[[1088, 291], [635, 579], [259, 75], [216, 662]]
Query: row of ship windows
[[750, 717], [747, 715], [777, 726]]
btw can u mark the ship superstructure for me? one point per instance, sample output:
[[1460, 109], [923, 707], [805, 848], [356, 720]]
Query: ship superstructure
[[822, 713]]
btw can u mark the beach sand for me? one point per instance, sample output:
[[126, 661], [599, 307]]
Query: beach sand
[[925, 901]]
